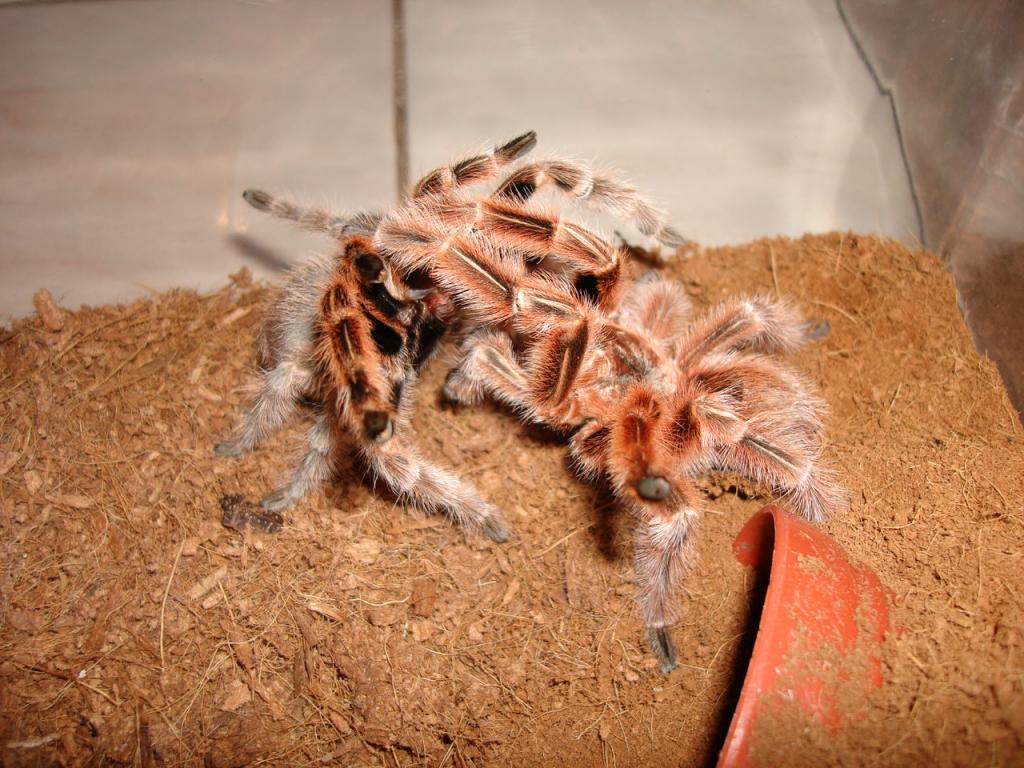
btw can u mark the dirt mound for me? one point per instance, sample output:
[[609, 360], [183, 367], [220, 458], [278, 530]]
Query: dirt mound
[[137, 628]]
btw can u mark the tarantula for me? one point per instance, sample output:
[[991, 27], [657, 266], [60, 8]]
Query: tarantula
[[646, 396]]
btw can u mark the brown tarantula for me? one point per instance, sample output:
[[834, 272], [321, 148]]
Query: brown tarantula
[[648, 397]]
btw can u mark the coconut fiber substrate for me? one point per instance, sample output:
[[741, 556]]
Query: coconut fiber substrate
[[136, 628]]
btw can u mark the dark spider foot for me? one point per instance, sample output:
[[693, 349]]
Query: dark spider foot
[[518, 147], [227, 449], [496, 530], [277, 501], [258, 199], [660, 639], [817, 330]]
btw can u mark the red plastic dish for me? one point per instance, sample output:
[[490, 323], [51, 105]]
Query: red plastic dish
[[824, 617]]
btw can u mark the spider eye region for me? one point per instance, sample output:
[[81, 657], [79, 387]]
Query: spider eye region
[[653, 488]]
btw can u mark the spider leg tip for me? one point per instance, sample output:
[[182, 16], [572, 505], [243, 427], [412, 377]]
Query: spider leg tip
[[518, 146], [258, 199], [664, 648], [277, 501], [495, 530], [817, 330], [227, 449]]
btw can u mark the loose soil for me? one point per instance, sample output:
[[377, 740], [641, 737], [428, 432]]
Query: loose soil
[[137, 628]]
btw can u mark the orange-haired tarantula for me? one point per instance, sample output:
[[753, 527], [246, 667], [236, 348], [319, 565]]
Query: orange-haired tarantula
[[647, 396]]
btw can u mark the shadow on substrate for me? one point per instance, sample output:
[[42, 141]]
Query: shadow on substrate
[[744, 651]]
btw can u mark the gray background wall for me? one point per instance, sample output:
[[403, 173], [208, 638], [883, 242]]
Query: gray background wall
[[129, 128], [955, 72]]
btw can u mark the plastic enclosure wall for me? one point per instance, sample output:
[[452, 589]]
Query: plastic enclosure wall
[[956, 74]]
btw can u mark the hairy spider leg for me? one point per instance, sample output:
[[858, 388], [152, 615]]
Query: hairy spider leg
[[488, 365], [746, 384], [758, 323], [335, 225], [286, 377], [279, 392], [810, 489], [766, 426], [489, 284], [590, 263], [316, 465], [472, 170], [432, 488], [574, 180], [580, 182], [657, 308], [663, 556]]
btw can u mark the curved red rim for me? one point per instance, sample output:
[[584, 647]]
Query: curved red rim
[[756, 545], [824, 605]]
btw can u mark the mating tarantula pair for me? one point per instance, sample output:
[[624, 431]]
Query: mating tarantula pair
[[646, 396]]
